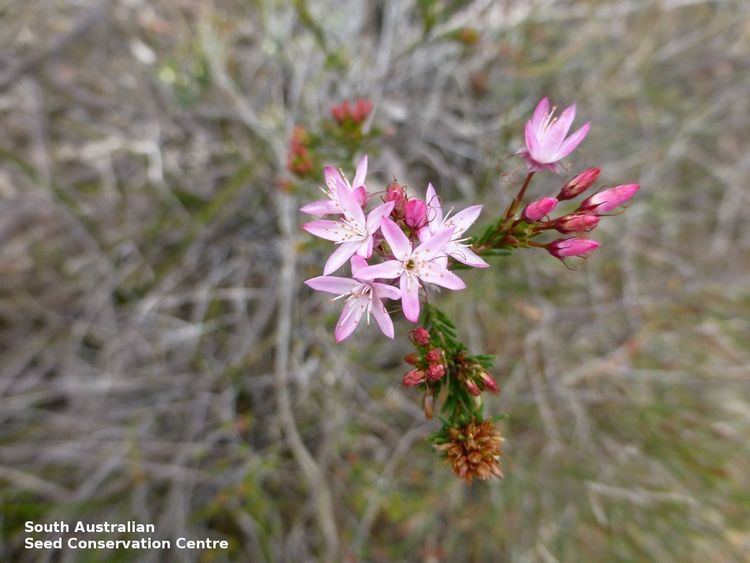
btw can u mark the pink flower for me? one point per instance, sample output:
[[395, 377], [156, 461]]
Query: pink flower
[[577, 223], [538, 209], [353, 232], [415, 213], [362, 297], [566, 247], [412, 265], [545, 137], [460, 222], [334, 178], [579, 184], [610, 199]]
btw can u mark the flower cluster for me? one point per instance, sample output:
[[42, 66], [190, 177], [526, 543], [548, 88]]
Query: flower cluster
[[399, 246], [411, 244], [299, 162]]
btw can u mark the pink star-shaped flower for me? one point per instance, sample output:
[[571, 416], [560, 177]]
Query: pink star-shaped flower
[[334, 178]]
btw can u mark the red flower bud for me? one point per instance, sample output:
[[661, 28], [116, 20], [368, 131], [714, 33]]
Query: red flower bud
[[413, 378], [565, 247], [420, 336], [434, 356], [610, 199], [538, 209], [579, 184], [362, 109], [435, 372], [577, 223], [489, 382], [412, 359], [472, 388]]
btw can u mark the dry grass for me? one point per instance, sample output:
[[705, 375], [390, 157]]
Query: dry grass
[[162, 361]]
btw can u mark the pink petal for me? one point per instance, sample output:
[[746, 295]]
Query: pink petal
[[397, 240], [386, 270], [365, 248], [554, 136], [350, 206], [540, 114], [376, 216], [332, 284], [464, 219], [435, 244], [382, 318], [333, 178], [350, 317], [410, 297], [340, 256], [359, 175], [572, 142], [329, 230], [432, 273], [321, 207], [532, 141], [434, 206], [384, 291], [467, 256], [357, 264]]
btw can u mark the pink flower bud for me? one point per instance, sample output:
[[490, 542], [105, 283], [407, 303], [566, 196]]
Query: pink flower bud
[[434, 356], [420, 336], [435, 372], [362, 109], [577, 223], [565, 247], [413, 378], [412, 359], [396, 193], [489, 382], [472, 388], [579, 184], [341, 112], [360, 194], [415, 213], [538, 209], [610, 199]]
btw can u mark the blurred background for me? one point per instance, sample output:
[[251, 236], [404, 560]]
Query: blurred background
[[162, 361]]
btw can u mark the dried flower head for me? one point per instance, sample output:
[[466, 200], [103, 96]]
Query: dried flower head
[[473, 450]]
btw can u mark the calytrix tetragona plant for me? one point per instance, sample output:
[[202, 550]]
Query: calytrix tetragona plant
[[400, 246]]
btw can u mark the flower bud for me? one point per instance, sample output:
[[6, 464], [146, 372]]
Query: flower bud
[[412, 359], [538, 209], [360, 194], [396, 193], [420, 336], [579, 184], [610, 199], [472, 388], [341, 112], [435, 372], [413, 378], [428, 404], [434, 356], [577, 223], [362, 109], [565, 247], [415, 213], [489, 382]]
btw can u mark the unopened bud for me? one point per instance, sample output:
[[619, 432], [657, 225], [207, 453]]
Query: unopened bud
[[428, 404], [413, 378], [610, 199], [434, 356], [435, 372], [489, 382], [566, 247], [415, 213], [412, 359], [579, 184], [362, 109], [420, 336], [577, 223], [472, 388], [538, 209]]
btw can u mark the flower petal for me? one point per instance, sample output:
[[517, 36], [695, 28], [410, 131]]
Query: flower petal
[[570, 144], [540, 114], [464, 219], [351, 208], [357, 264], [467, 256], [375, 217], [359, 175], [385, 291], [432, 273], [554, 136], [333, 178], [365, 248], [386, 270], [323, 228], [332, 284], [410, 297], [532, 141], [382, 317], [434, 244], [321, 207], [340, 256], [434, 207], [350, 317], [400, 245]]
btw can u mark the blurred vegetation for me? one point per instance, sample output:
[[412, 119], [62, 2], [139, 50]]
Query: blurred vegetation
[[162, 361]]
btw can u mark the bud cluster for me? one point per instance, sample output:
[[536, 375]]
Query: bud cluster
[[474, 377], [299, 161], [351, 114], [428, 361], [472, 450]]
